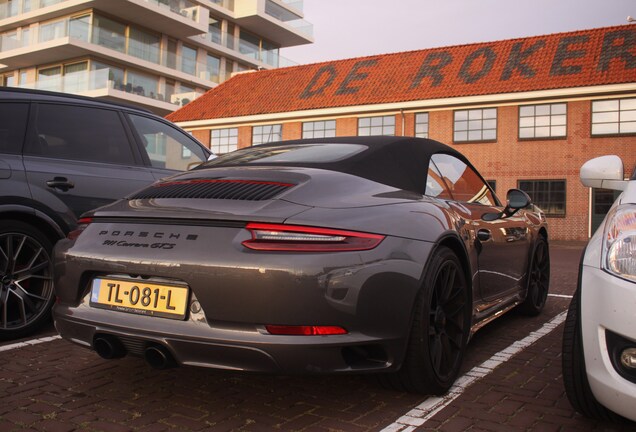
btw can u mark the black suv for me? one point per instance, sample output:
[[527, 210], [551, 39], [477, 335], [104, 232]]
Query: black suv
[[61, 155]]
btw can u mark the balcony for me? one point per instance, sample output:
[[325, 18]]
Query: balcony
[[98, 84], [244, 51], [178, 18], [71, 38], [280, 21]]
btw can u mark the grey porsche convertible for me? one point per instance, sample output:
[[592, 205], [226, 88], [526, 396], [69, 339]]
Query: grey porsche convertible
[[358, 254]]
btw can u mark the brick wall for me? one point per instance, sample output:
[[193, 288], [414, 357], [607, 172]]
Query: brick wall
[[203, 136]]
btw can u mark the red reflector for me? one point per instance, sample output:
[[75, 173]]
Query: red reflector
[[294, 238], [304, 330]]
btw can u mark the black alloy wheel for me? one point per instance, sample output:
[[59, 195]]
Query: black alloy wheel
[[26, 283], [538, 279], [439, 332]]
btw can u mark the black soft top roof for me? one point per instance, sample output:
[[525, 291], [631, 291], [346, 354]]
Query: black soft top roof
[[401, 162]]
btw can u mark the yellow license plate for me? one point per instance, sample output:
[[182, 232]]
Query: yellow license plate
[[138, 297]]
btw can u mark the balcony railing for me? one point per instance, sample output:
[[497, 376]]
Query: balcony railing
[[285, 16], [253, 51], [11, 8], [227, 4], [95, 35], [296, 4], [85, 81]]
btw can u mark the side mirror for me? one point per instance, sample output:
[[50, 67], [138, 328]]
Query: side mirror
[[603, 172], [517, 199]]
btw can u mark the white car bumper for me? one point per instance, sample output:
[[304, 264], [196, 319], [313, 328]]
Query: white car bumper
[[608, 303]]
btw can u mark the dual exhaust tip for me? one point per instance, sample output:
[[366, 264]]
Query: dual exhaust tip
[[109, 347]]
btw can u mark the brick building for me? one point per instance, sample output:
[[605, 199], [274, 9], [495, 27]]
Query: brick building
[[527, 112]]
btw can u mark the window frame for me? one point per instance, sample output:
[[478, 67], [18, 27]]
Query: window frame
[[415, 123], [273, 125], [383, 126], [614, 134], [229, 136], [550, 115], [565, 197], [325, 129], [468, 130]]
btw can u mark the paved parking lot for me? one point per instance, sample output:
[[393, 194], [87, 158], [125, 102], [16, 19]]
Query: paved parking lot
[[512, 382]]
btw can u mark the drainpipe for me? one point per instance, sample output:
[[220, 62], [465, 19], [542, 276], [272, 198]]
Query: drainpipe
[[402, 114]]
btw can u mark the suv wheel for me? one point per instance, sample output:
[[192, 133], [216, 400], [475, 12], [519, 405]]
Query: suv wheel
[[26, 282]]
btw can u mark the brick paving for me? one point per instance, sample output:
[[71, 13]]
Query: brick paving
[[59, 387]]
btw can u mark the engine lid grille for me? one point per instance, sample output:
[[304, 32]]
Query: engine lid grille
[[231, 189]]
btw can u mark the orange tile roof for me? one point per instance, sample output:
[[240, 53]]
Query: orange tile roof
[[582, 58]]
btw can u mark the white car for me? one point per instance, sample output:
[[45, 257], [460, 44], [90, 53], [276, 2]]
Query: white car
[[599, 340]]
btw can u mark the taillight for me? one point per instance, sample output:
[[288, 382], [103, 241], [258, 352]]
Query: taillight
[[294, 238], [82, 223], [287, 330]]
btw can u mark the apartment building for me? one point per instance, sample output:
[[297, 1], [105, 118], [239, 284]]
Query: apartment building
[[527, 112], [159, 54]]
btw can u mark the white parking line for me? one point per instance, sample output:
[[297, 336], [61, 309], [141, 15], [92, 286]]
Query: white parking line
[[560, 296], [28, 343], [432, 405]]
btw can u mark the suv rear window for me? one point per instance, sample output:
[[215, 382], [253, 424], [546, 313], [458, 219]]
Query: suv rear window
[[13, 120], [95, 135]]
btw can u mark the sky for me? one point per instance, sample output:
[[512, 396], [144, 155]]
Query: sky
[[355, 28]]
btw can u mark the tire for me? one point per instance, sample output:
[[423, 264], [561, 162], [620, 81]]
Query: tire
[[439, 330], [26, 282], [575, 380], [538, 279]]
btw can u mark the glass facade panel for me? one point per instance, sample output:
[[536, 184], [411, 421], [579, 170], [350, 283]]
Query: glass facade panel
[[213, 68], [188, 60], [143, 45], [53, 30], [79, 27], [141, 84], [109, 33]]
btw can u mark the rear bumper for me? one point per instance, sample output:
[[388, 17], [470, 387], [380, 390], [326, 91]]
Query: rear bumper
[[234, 348]]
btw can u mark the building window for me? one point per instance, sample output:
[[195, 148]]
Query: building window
[[421, 125], [224, 140], [475, 125], [265, 134], [613, 117], [213, 67], [543, 121], [319, 129], [548, 195], [384, 125], [188, 60]]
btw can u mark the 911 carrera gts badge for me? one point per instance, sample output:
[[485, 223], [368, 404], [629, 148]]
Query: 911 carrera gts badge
[[133, 239]]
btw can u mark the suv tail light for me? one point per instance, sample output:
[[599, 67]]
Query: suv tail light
[[294, 238], [82, 223]]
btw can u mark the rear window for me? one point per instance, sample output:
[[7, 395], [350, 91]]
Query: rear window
[[288, 154]]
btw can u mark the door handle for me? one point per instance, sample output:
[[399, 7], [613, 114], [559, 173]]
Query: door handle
[[60, 183], [484, 235]]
